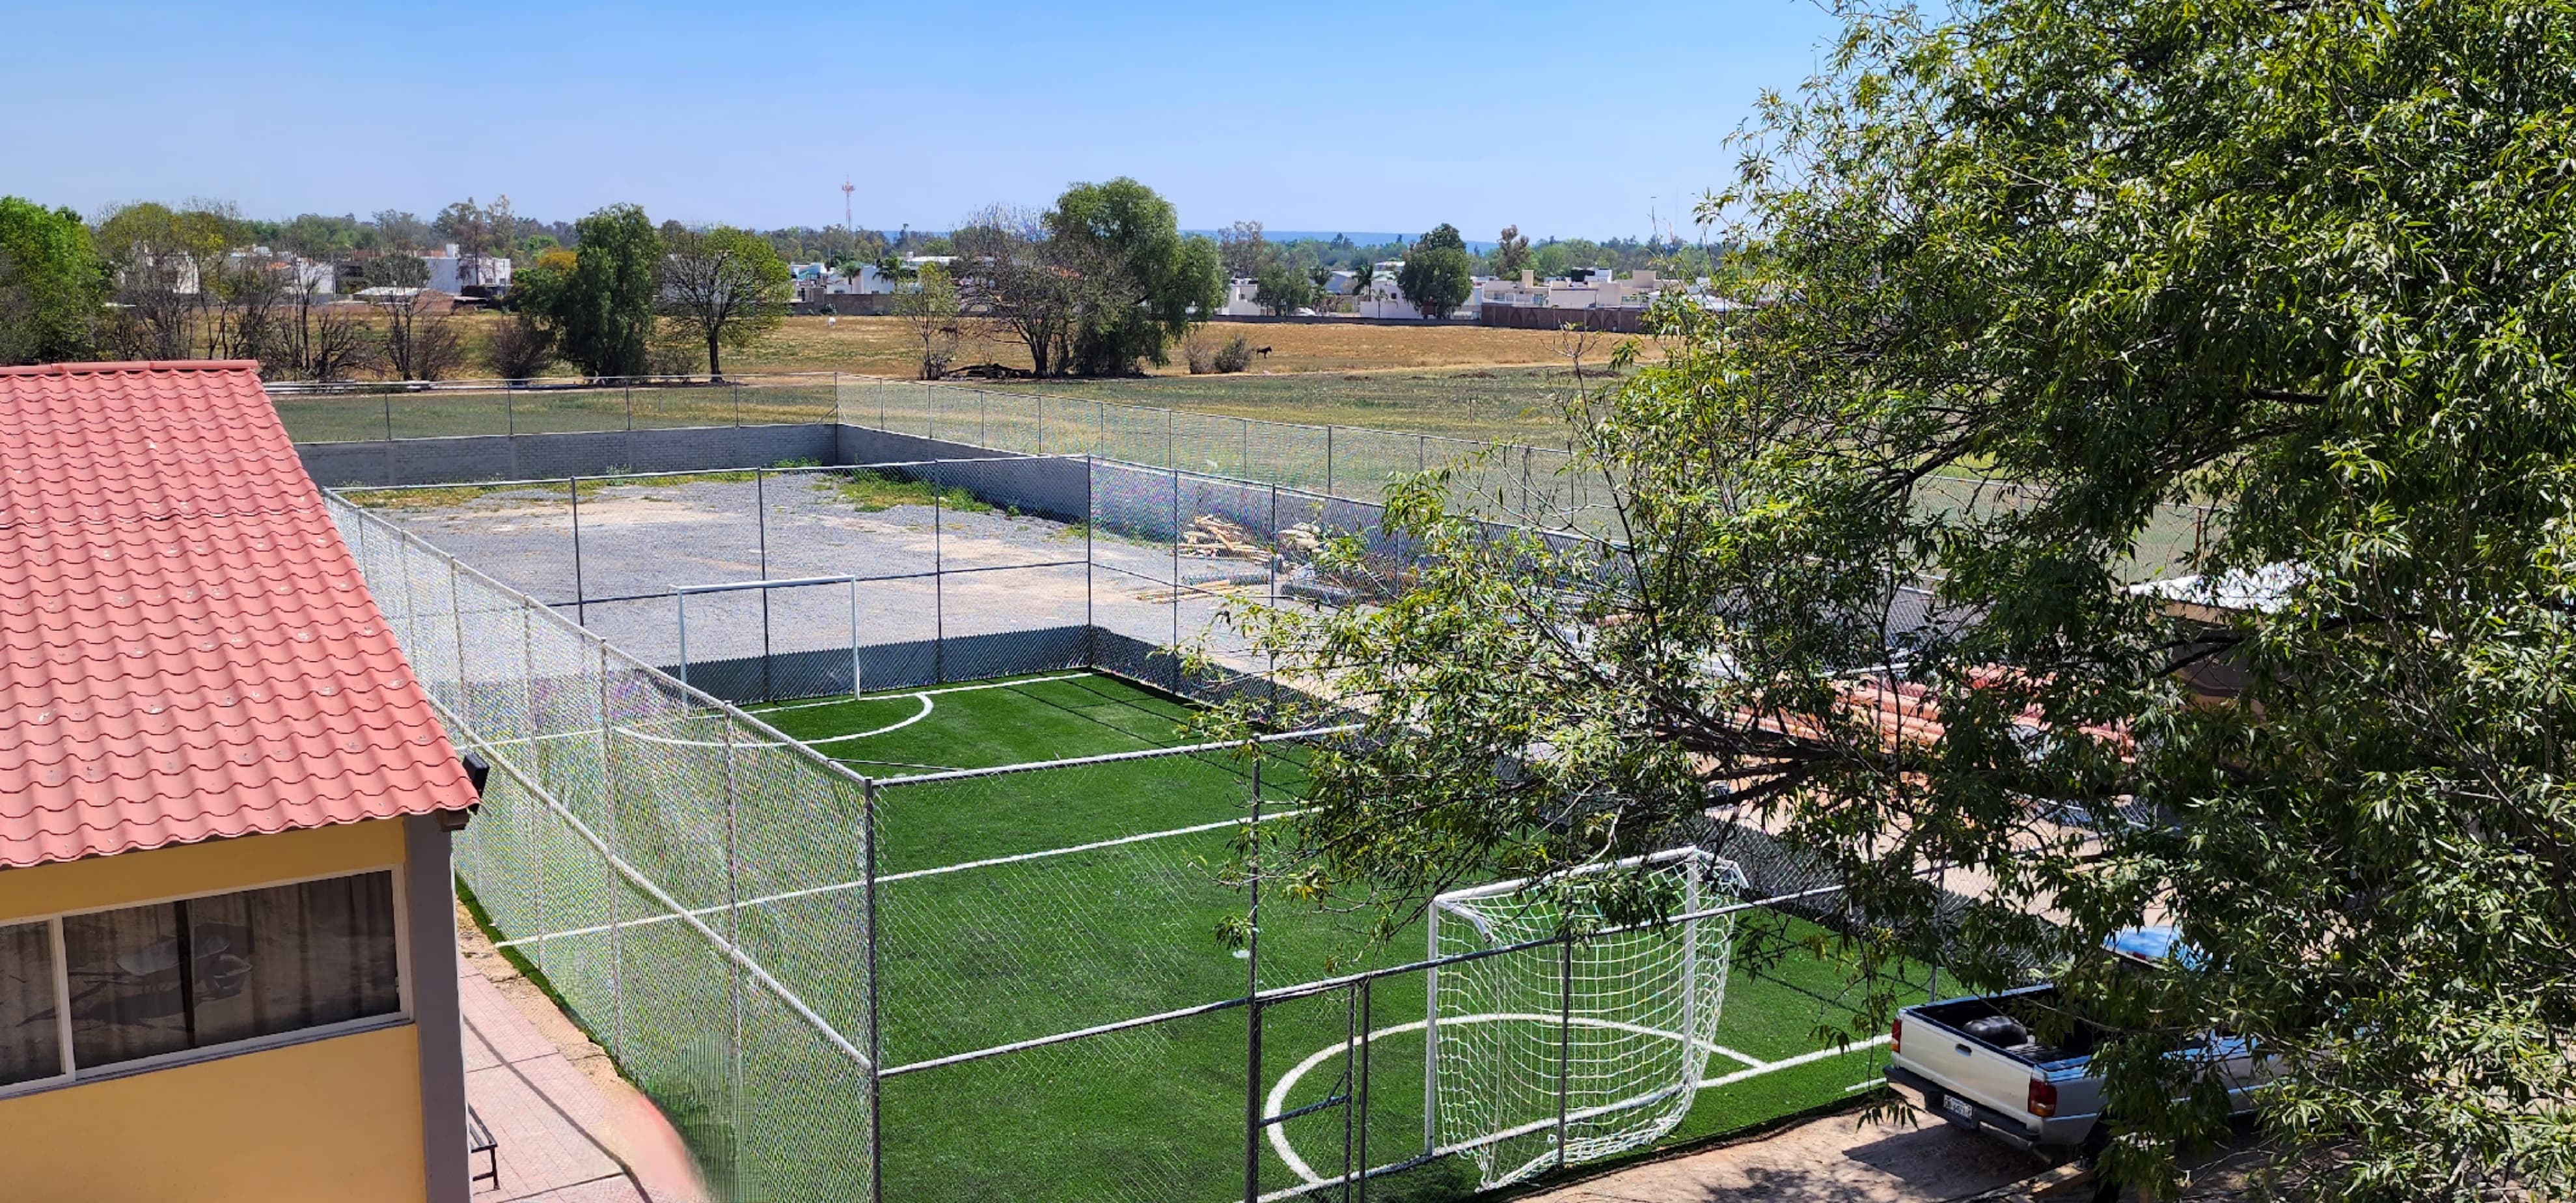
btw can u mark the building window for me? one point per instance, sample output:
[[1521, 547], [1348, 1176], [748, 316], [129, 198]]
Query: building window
[[149, 981], [31, 1045]]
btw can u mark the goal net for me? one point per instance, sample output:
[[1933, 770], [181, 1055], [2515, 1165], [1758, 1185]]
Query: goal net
[[1574, 1051]]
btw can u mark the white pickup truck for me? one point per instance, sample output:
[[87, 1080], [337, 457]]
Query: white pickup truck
[[1979, 1062]]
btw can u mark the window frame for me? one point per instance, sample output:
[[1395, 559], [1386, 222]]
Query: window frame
[[73, 1075]]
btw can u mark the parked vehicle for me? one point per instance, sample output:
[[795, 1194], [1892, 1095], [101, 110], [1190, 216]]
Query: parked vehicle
[[1980, 1061]]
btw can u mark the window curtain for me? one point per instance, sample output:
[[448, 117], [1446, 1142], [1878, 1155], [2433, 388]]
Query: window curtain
[[128, 979], [30, 1032], [161, 979], [292, 957]]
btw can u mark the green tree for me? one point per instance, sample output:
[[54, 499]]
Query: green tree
[[1442, 236], [1284, 289], [1437, 276], [2036, 275], [1145, 285], [601, 308], [728, 287], [1512, 254], [51, 285]]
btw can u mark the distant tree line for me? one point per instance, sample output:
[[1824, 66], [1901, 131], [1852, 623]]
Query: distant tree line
[[609, 295]]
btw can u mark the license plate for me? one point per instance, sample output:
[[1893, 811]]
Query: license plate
[[1959, 1107]]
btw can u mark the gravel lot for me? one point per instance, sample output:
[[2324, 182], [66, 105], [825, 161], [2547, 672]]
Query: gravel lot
[[974, 570]]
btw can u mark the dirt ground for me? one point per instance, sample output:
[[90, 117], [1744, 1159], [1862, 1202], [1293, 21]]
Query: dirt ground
[[884, 346], [1836, 1159]]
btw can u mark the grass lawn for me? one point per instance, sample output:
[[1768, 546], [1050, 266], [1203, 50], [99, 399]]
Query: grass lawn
[[983, 943]]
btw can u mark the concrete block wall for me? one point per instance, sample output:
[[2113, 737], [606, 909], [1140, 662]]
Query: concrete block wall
[[587, 453]]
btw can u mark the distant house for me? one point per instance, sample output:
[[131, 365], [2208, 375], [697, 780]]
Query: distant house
[[1384, 298], [466, 275], [227, 925], [1242, 299]]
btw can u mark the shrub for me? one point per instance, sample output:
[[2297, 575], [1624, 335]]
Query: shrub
[[1234, 356]]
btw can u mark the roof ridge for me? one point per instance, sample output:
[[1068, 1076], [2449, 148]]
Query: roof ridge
[[132, 365]]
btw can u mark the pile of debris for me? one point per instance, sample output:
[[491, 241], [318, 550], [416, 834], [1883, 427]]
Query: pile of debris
[[1219, 538]]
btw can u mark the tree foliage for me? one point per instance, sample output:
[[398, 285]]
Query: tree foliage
[[1284, 289], [727, 287], [51, 285], [1511, 253], [1095, 286], [602, 307], [1867, 579], [1438, 275]]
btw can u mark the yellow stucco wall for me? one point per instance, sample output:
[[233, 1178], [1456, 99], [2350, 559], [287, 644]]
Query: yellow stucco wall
[[206, 868], [333, 1119]]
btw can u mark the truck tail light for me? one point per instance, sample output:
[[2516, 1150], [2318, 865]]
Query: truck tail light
[[1896, 1035], [2043, 1098]]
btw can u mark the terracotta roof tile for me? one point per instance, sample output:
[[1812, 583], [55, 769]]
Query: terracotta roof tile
[[186, 649]]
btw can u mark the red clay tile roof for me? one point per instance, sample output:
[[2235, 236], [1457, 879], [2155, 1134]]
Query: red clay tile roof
[[186, 649]]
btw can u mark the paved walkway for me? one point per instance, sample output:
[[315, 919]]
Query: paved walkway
[[1827, 1160], [569, 1130]]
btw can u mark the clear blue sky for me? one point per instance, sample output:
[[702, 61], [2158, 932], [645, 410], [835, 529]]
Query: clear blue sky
[[1566, 119]]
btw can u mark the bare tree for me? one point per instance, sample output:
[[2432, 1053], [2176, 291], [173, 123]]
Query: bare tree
[[1006, 273], [1243, 250], [320, 339], [937, 317], [520, 348], [245, 311], [420, 337]]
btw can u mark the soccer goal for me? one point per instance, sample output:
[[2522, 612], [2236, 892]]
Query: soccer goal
[[1566, 1051]]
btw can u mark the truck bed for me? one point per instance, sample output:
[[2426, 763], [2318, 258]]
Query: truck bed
[[2033, 1011]]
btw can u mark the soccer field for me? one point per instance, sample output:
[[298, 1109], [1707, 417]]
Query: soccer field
[[1018, 906]]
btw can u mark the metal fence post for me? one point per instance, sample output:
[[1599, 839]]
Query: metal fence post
[[1565, 1041], [580, 599], [1360, 1085], [510, 412], [1252, 993], [1328, 459], [616, 913], [760, 512], [389, 425], [938, 589], [1431, 1034], [732, 934], [876, 1021], [855, 689], [630, 408], [682, 600]]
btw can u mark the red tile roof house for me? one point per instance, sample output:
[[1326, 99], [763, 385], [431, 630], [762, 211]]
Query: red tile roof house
[[227, 926]]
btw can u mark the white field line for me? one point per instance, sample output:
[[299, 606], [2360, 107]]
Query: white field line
[[942, 691], [926, 707], [1277, 1102], [924, 695], [838, 887]]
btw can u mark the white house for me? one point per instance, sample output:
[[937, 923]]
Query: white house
[[1242, 299], [453, 274], [1384, 298]]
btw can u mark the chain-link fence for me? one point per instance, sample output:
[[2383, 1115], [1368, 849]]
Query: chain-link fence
[[374, 411], [1531, 486], [680, 871], [796, 582], [1010, 982]]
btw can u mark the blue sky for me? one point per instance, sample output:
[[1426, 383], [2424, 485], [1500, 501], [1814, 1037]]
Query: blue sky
[[1566, 119]]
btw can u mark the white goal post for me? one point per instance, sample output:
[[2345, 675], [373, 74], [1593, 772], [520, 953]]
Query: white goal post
[[1566, 1051]]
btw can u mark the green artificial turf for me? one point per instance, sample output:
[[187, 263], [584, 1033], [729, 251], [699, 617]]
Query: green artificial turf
[[973, 955]]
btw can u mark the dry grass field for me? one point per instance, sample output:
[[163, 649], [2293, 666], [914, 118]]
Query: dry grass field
[[1457, 380], [884, 346]]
